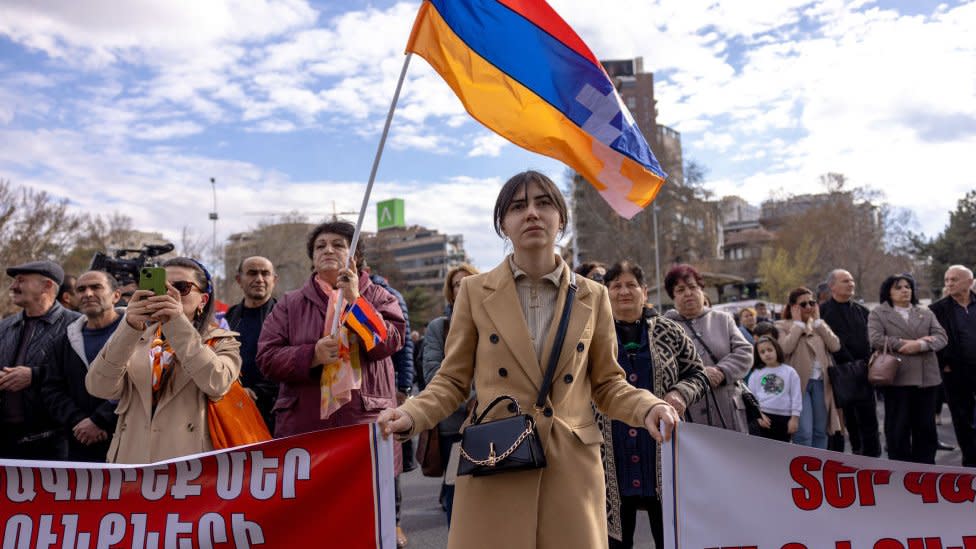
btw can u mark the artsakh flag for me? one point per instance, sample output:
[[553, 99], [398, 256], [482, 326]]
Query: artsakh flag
[[524, 73], [363, 319]]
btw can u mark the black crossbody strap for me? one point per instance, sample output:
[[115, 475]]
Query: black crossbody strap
[[557, 345], [698, 337]]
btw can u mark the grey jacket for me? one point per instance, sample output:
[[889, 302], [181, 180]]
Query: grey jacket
[[434, 338], [918, 370], [733, 355]]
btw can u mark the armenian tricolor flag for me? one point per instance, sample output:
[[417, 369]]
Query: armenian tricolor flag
[[523, 72], [363, 319]]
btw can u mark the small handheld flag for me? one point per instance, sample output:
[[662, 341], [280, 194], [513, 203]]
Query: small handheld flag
[[363, 319]]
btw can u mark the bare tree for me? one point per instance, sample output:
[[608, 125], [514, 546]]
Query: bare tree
[[33, 225]]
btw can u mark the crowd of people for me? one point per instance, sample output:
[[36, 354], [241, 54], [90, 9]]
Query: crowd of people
[[89, 374]]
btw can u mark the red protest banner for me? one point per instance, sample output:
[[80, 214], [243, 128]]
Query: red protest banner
[[331, 488]]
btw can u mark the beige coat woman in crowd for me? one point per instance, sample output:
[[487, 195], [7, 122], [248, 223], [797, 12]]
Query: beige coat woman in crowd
[[807, 344], [491, 345], [163, 414]]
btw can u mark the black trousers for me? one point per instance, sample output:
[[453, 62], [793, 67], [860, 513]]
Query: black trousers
[[861, 420], [910, 423], [778, 428], [961, 396], [628, 521]]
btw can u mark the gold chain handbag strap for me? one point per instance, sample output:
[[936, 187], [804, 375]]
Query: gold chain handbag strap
[[493, 459]]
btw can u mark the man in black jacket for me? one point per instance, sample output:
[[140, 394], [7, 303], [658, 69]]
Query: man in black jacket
[[26, 340], [257, 278], [88, 421], [849, 320], [957, 315]]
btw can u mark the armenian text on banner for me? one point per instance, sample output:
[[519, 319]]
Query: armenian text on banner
[[729, 490], [330, 488]]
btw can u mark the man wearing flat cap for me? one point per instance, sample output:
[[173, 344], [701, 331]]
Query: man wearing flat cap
[[26, 341]]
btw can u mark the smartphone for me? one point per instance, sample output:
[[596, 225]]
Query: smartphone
[[153, 279]]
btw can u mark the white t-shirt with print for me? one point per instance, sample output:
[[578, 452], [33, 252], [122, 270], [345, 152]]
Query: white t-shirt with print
[[777, 389]]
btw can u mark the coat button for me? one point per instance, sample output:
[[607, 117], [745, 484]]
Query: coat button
[[189, 427], [635, 459], [493, 338], [632, 432], [512, 408], [636, 484], [568, 378], [503, 372], [632, 378], [580, 347], [547, 412]]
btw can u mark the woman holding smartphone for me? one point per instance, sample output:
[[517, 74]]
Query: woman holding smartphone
[[163, 364], [502, 332]]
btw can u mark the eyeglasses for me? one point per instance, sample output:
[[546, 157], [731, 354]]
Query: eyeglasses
[[184, 287], [806, 304]]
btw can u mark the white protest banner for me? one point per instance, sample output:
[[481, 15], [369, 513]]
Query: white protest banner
[[725, 490]]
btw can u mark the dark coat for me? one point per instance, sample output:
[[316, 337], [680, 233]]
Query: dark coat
[[403, 364], [52, 327], [286, 354], [266, 389], [951, 355], [854, 344], [67, 399]]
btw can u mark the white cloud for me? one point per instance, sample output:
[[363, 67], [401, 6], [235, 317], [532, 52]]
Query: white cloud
[[488, 144]]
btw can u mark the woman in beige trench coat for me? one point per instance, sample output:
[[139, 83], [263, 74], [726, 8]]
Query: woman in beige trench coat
[[163, 414], [501, 335]]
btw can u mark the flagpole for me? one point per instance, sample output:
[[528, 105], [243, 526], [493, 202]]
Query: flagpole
[[372, 178]]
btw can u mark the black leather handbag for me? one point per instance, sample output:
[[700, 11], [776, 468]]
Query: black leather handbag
[[849, 381], [512, 443]]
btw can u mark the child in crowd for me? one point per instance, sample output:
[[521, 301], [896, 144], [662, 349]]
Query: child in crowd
[[777, 386]]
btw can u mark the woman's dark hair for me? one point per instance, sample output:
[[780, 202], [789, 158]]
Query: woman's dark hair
[[621, 267], [765, 328], [794, 296], [519, 182], [890, 282], [203, 320], [766, 339], [341, 228], [587, 266], [681, 273]]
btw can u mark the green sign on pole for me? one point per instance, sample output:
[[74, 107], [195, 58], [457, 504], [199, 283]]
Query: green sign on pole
[[389, 214]]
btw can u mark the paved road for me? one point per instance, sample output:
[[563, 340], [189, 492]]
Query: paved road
[[425, 525]]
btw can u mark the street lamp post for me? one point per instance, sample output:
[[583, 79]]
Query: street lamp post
[[657, 259], [213, 218]]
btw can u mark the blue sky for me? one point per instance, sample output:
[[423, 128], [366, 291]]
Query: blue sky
[[132, 107]]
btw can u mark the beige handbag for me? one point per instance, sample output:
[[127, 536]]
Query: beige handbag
[[883, 367]]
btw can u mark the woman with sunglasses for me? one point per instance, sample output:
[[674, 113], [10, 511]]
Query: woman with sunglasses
[[808, 342], [163, 365]]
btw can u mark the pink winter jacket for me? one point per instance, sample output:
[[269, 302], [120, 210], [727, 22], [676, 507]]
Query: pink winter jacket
[[286, 352]]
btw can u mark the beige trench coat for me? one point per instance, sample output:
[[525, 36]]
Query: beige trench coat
[[803, 345], [563, 505], [123, 371]]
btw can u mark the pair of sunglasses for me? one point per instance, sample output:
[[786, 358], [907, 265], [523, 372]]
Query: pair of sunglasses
[[804, 305], [185, 286]]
